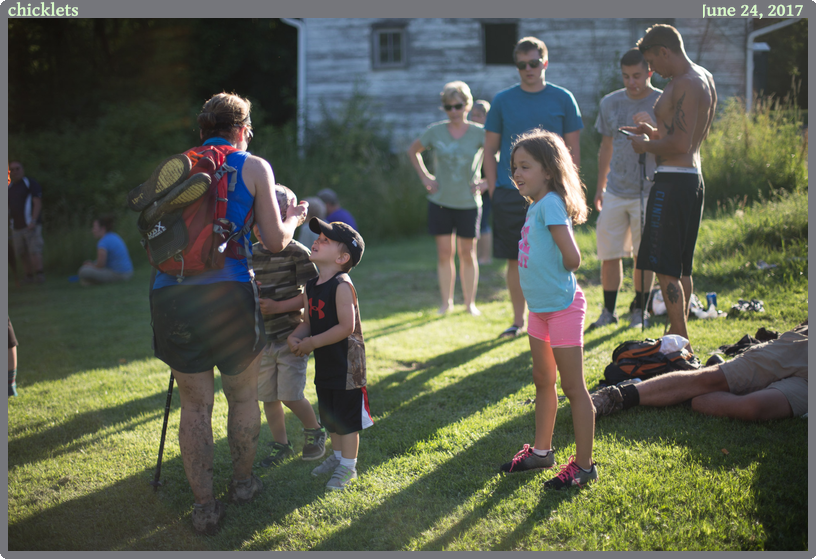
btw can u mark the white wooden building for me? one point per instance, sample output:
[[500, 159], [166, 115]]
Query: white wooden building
[[402, 64]]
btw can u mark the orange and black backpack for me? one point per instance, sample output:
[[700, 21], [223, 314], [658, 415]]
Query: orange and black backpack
[[643, 359], [198, 237]]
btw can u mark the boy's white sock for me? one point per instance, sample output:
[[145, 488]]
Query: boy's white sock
[[539, 452], [350, 463], [338, 454]]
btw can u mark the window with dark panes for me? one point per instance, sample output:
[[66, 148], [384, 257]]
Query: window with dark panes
[[389, 48], [499, 41]]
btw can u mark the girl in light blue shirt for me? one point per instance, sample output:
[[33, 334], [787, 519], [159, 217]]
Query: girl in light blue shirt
[[543, 171]]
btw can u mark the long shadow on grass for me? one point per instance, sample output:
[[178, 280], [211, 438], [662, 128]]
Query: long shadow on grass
[[777, 448], [66, 434]]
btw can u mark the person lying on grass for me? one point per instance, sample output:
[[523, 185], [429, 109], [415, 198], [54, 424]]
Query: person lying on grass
[[768, 381]]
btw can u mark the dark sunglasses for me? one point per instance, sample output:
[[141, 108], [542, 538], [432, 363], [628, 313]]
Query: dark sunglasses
[[249, 134], [457, 106], [531, 63]]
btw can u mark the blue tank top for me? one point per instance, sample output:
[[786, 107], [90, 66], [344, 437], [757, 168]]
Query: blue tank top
[[239, 204]]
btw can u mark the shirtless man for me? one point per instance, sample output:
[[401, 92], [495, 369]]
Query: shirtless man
[[684, 113]]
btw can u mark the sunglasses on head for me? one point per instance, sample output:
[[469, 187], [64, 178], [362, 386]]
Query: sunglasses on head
[[531, 63], [457, 106]]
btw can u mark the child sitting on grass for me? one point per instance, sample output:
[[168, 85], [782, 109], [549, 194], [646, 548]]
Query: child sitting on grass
[[332, 331], [282, 375]]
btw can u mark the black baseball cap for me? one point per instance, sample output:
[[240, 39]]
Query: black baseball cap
[[342, 233]]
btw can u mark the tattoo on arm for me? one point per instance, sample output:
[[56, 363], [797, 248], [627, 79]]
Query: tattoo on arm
[[673, 293], [680, 115]]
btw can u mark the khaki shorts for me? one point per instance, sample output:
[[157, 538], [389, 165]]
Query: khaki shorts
[[282, 375], [780, 364], [27, 241], [618, 227]]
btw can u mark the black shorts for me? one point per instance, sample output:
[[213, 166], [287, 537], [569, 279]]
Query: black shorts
[[12, 337], [509, 213], [673, 216], [447, 221], [198, 327], [343, 411]]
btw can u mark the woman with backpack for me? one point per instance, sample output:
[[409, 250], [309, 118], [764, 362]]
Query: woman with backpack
[[212, 319]]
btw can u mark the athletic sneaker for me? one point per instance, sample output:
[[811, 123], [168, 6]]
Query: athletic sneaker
[[341, 478], [315, 444], [169, 173], [636, 320], [278, 454], [241, 492], [525, 460], [605, 319], [328, 465], [571, 475], [180, 196], [207, 518], [607, 401]]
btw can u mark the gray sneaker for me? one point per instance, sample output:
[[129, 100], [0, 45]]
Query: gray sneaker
[[607, 401], [315, 444], [241, 492], [207, 518], [605, 319], [525, 460], [341, 478], [636, 320], [328, 466]]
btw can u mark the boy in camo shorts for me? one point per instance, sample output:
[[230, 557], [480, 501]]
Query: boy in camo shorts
[[282, 377]]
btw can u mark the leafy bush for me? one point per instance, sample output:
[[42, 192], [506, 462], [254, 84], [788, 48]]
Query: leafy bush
[[747, 157], [349, 151]]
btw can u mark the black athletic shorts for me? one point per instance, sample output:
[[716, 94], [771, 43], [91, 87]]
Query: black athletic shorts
[[343, 411], [12, 337], [673, 216], [198, 327], [509, 213], [447, 221]]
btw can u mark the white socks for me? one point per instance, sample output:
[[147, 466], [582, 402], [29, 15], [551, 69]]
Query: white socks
[[350, 463]]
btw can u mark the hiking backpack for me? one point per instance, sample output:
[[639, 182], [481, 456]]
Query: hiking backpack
[[643, 359], [199, 237]]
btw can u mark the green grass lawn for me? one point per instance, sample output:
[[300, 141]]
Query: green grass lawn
[[449, 402]]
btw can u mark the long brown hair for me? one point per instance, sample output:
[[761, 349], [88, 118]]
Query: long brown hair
[[552, 153]]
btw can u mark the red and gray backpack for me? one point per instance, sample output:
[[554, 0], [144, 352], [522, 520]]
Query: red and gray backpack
[[198, 237]]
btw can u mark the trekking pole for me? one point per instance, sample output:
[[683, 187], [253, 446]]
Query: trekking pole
[[642, 161], [156, 483]]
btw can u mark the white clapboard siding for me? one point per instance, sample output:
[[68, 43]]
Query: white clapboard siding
[[582, 54]]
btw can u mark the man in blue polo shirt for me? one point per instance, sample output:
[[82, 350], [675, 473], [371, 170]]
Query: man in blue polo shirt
[[533, 103]]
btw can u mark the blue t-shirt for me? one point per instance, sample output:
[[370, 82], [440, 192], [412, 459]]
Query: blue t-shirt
[[342, 215], [546, 284], [238, 206], [515, 111], [118, 258]]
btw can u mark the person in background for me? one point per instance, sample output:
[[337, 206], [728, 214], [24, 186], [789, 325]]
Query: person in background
[[25, 208], [623, 187], [334, 211], [317, 208], [112, 262], [484, 246], [454, 199]]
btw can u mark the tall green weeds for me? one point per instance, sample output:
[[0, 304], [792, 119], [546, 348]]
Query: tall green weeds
[[349, 151], [749, 156]]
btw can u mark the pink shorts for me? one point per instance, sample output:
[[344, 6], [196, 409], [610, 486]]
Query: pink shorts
[[564, 328]]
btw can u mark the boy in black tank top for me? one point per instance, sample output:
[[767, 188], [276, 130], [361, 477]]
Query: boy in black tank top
[[331, 329]]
